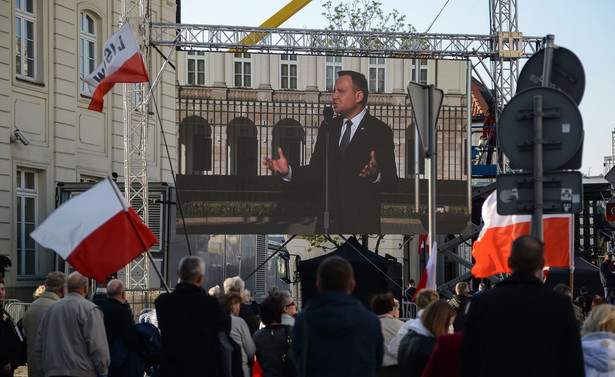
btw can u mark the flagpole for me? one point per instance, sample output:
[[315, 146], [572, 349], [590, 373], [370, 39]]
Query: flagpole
[[571, 238], [130, 220], [119, 195], [146, 250], [433, 253]]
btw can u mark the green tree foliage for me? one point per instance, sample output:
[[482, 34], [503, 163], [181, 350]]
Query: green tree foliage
[[359, 18], [364, 15], [323, 242], [331, 243]]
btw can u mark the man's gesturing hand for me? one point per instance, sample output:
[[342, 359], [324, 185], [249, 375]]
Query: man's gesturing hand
[[371, 169], [278, 166]]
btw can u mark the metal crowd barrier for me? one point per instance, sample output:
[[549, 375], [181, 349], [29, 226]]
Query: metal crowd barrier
[[408, 310], [17, 309], [142, 300]]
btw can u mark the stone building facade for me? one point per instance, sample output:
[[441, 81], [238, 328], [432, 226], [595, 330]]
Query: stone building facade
[[236, 108], [47, 46]]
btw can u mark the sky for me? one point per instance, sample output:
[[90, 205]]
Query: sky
[[587, 28]]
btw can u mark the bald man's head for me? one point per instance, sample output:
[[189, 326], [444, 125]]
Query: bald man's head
[[77, 283], [116, 290]]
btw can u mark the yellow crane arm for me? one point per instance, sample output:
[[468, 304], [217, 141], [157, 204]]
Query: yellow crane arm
[[285, 13], [277, 19]]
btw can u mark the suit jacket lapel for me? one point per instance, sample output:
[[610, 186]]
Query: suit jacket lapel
[[336, 131], [358, 135]]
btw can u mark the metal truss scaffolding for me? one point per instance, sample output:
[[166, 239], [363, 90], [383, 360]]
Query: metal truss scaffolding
[[340, 42], [135, 138], [503, 48]]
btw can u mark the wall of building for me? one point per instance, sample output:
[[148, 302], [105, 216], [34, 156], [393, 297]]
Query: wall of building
[[448, 75], [68, 142]]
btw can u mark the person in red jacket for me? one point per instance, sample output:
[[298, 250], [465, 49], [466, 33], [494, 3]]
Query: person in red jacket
[[444, 360]]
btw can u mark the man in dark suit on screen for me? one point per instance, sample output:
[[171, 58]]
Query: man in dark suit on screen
[[361, 161]]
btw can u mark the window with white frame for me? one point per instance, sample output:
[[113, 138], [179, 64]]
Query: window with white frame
[[137, 93], [333, 64], [27, 212], [376, 75], [195, 68], [87, 49], [423, 70], [288, 71], [242, 69], [25, 39], [89, 179]]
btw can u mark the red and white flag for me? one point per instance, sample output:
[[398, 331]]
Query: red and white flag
[[424, 243], [492, 248], [428, 278], [97, 232], [122, 62]]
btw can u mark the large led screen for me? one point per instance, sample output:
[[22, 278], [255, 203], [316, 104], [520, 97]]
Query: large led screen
[[238, 112]]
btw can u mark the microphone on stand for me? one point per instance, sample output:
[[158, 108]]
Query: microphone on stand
[[327, 113]]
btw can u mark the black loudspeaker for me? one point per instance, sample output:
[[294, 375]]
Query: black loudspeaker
[[393, 271]]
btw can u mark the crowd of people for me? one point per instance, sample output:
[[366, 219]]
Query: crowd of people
[[520, 327], [65, 333]]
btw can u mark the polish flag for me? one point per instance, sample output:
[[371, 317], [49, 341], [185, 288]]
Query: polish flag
[[428, 279], [492, 248], [423, 243], [97, 232], [122, 62]]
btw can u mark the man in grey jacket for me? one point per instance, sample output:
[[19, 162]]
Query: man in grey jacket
[[71, 339], [55, 288]]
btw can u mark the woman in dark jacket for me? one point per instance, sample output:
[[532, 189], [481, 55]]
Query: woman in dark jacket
[[416, 347], [9, 340], [273, 342]]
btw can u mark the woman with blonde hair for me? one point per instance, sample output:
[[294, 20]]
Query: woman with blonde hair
[[599, 341], [416, 347]]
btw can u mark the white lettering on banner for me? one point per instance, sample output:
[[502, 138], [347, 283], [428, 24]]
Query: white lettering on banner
[[110, 50], [120, 47]]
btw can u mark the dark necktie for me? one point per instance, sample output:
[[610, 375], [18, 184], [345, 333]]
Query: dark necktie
[[345, 139]]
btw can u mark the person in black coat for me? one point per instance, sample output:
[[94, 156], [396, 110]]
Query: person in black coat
[[361, 163], [584, 292], [190, 320], [521, 327], [411, 290], [459, 302], [9, 340], [119, 324], [606, 276], [273, 342], [418, 344]]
